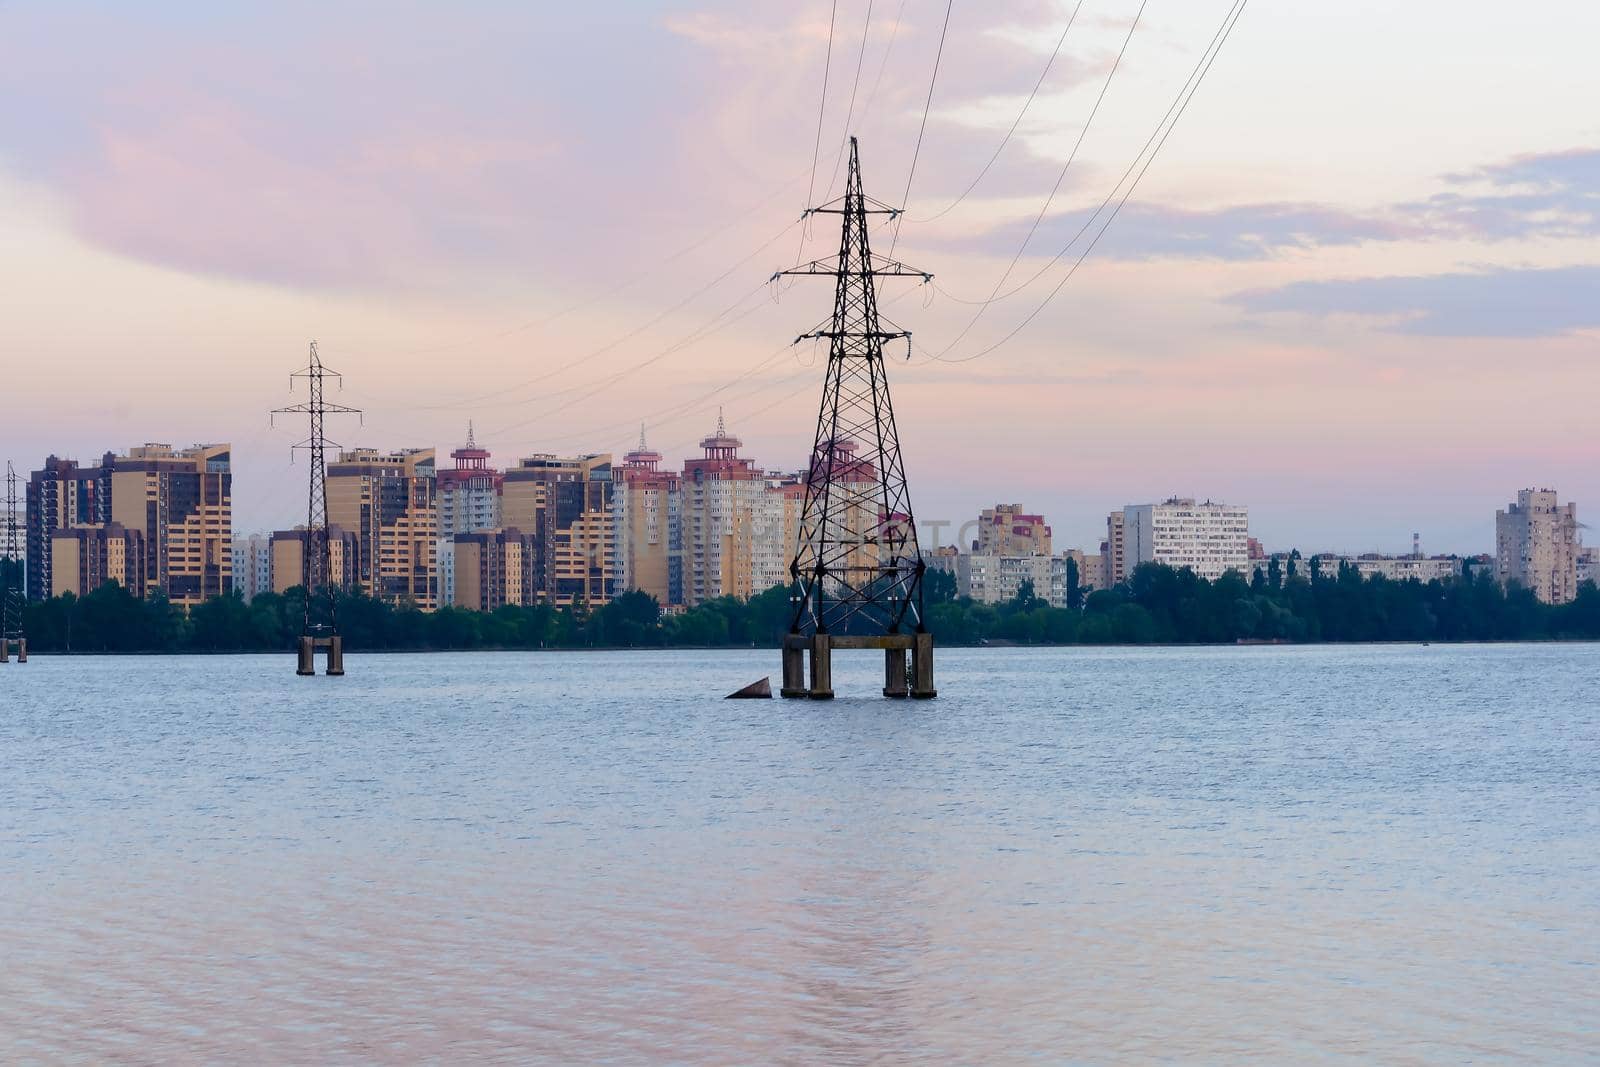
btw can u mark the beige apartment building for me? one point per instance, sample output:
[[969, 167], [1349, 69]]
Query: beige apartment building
[[389, 503], [645, 503], [83, 558], [182, 501], [494, 568], [1114, 551], [566, 506], [1536, 545], [287, 550], [1006, 530]]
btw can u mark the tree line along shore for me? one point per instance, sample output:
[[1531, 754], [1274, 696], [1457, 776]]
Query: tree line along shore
[[1157, 605]]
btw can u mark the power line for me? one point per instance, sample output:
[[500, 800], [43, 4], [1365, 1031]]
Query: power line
[[1184, 92], [883, 64], [1045, 207], [630, 335], [927, 104], [1235, 14], [1015, 123], [822, 108], [850, 112]]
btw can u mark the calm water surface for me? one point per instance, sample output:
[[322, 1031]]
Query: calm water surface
[[1129, 855]]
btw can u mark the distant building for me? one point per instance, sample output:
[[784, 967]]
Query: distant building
[[182, 501], [776, 533], [1588, 566], [1394, 568], [646, 504], [252, 566], [1114, 551], [389, 503], [1209, 538], [469, 492], [62, 495], [566, 505], [1004, 530], [722, 493], [83, 558], [1094, 572], [286, 555], [494, 568], [991, 579], [1536, 545]]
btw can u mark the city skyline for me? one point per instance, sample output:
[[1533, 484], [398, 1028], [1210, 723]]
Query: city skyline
[[1306, 306]]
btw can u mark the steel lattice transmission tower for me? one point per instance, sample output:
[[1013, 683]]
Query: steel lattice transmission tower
[[318, 629], [12, 636], [857, 569]]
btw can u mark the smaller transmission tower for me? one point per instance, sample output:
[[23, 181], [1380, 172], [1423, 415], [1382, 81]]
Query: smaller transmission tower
[[320, 621], [12, 637]]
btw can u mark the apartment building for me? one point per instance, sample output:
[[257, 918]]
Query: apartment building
[[1536, 545], [389, 502], [1208, 538]]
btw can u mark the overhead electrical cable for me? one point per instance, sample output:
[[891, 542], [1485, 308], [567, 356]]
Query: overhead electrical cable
[[1237, 11], [850, 112], [883, 64], [630, 335], [1061, 177], [822, 111], [916, 153], [1201, 65], [1026, 104]]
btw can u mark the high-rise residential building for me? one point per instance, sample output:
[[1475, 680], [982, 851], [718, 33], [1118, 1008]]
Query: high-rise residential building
[[775, 533], [389, 502], [1093, 575], [565, 504], [993, 579], [182, 501], [62, 495], [83, 558], [252, 566], [646, 503], [1114, 551], [1005, 530], [1208, 538], [1536, 545], [722, 494], [494, 568], [469, 492], [1588, 566], [286, 559]]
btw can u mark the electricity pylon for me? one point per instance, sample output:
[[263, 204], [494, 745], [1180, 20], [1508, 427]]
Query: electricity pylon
[[317, 629], [857, 569], [12, 636]]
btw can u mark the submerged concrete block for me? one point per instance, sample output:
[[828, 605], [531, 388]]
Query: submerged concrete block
[[753, 691]]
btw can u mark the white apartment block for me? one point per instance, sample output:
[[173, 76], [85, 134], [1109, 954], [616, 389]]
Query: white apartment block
[[991, 579], [445, 559], [1395, 568], [1589, 566], [1536, 545], [252, 565], [1208, 538]]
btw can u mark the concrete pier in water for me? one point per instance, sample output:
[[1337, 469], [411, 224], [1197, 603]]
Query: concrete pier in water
[[817, 684], [19, 645], [308, 655]]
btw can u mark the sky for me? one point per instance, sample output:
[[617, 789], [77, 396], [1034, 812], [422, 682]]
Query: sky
[[1354, 289]]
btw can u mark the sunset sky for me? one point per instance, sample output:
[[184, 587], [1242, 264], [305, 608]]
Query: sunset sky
[[1358, 290]]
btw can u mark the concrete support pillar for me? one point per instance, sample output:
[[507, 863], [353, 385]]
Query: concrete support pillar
[[821, 668], [335, 657], [5, 650], [922, 668], [308, 657], [894, 672], [794, 671], [22, 650]]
